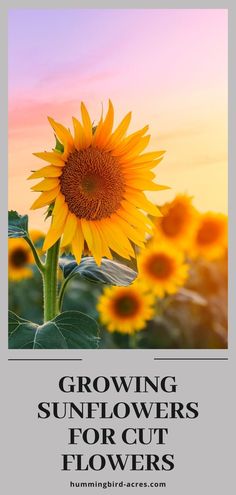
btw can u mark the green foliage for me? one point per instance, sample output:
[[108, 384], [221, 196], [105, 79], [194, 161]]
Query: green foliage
[[17, 225], [26, 297], [59, 146], [49, 211], [68, 330], [110, 272], [82, 296]]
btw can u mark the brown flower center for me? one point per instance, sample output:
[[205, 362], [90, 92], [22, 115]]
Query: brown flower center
[[209, 232], [126, 306], [18, 258], [175, 220], [92, 183], [160, 266]]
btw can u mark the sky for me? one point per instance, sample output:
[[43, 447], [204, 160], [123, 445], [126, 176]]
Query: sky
[[169, 67]]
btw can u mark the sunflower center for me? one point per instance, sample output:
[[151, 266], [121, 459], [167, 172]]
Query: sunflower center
[[160, 266], [126, 306], [209, 232], [174, 221], [92, 183], [18, 258]]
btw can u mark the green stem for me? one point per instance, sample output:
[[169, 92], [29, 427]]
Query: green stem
[[133, 341], [37, 259], [62, 292], [50, 282]]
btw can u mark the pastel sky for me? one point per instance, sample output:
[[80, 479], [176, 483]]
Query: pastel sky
[[168, 66]]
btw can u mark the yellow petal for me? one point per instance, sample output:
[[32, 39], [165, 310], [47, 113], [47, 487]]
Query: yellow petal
[[79, 136], [60, 218], [147, 157], [143, 185], [96, 250], [106, 127], [139, 199], [138, 174], [133, 165], [48, 171], [138, 148], [85, 224], [62, 133], [78, 242], [116, 239], [119, 133], [52, 237], [45, 198], [46, 185], [105, 249], [69, 230], [97, 131], [135, 221], [59, 204], [134, 235], [87, 125], [131, 209], [51, 157], [129, 142]]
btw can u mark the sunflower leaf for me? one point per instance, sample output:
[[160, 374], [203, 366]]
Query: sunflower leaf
[[68, 330], [59, 146], [17, 224], [49, 211], [109, 272]]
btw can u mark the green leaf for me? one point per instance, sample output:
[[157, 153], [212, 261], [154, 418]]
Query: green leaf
[[68, 330], [49, 210], [17, 224], [59, 146], [109, 272]]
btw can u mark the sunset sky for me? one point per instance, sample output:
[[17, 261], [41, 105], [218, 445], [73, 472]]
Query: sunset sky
[[168, 66]]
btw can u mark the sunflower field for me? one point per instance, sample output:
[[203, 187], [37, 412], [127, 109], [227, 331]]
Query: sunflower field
[[114, 269]]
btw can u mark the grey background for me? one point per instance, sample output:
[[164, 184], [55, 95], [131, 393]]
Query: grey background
[[31, 448]]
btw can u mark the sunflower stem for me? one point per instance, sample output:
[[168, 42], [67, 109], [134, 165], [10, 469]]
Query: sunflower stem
[[133, 341], [37, 259], [50, 286]]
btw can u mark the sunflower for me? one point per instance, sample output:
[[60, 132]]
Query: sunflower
[[19, 259], [96, 186], [125, 309], [162, 268], [178, 220], [210, 237]]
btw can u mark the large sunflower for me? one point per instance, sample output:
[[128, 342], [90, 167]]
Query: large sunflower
[[96, 186], [178, 220], [19, 260], [125, 309], [162, 268], [210, 238]]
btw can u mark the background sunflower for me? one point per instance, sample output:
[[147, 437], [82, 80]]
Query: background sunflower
[[177, 222], [19, 260], [210, 236], [125, 309], [162, 268]]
